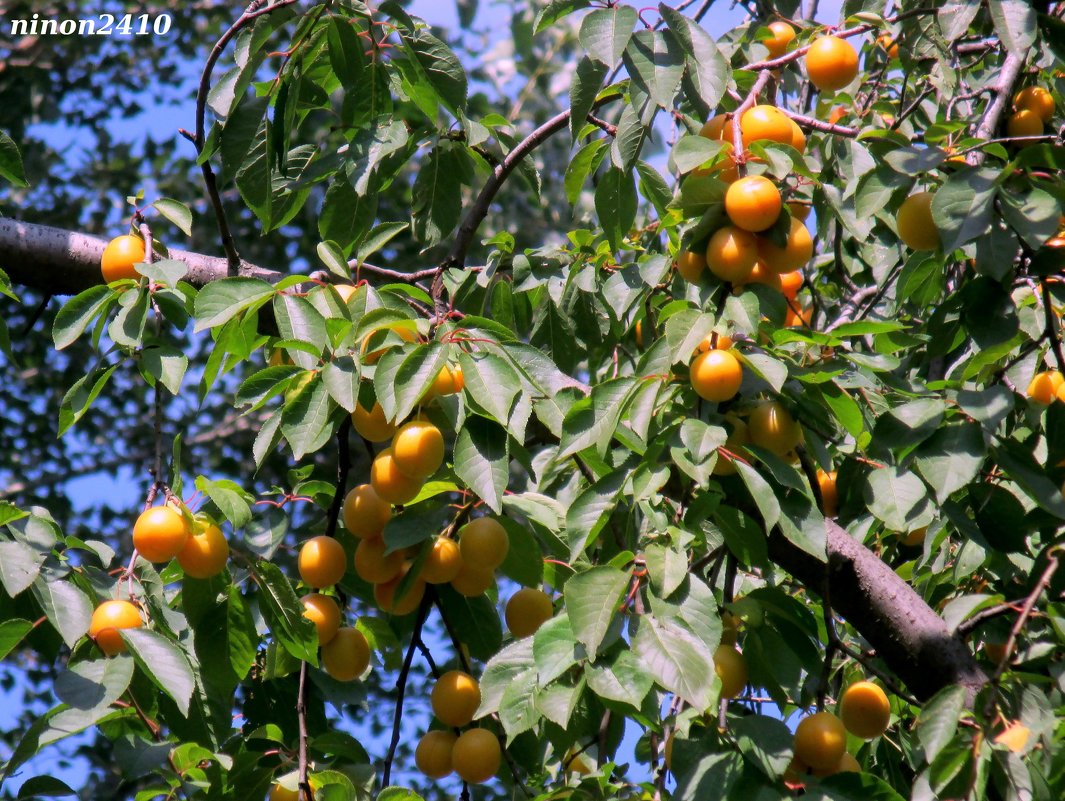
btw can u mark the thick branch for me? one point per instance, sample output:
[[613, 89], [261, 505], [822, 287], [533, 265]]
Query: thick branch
[[66, 262], [906, 633], [1011, 70]]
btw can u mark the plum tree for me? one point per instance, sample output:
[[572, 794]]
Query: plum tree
[[615, 348]]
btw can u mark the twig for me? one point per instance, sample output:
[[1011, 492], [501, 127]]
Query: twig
[[254, 10], [301, 713], [401, 687], [821, 125], [967, 626], [343, 468], [1025, 613], [1052, 325], [737, 133]]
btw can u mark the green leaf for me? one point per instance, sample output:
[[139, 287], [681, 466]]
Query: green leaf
[[706, 70], [232, 500], [346, 216], [591, 511], [655, 62], [437, 193], [78, 313], [307, 422], [1015, 24], [510, 665], [166, 364], [398, 794], [491, 383], [20, 564], [951, 458], [165, 663], [556, 10], [441, 66], [380, 236], [11, 162], [761, 493], [220, 301], [583, 91], [481, 459], [895, 497], [44, 787], [177, 212], [414, 377], [592, 421], [341, 380], [79, 398], [615, 204], [765, 742], [938, 721], [475, 620], [680, 662], [11, 633], [605, 33], [284, 613], [345, 51], [964, 206], [623, 679], [67, 608], [299, 321], [592, 600]]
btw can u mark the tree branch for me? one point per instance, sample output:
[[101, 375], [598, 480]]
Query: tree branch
[[1011, 70], [906, 633]]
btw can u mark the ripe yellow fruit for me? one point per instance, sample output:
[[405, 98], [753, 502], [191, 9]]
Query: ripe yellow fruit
[[831, 63], [433, 754], [391, 483], [385, 594], [797, 250], [448, 381], [714, 342], [405, 333], [715, 128], [915, 537], [762, 275], [734, 443], [455, 697], [108, 619], [846, 764], [716, 375], [1014, 737], [443, 562], [800, 209], [798, 318], [205, 553], [753, 203], [347, 655], [732, 253], [1035, 99], [690, 265], [418, 449], [372, 424], [772, 427], [527, 610], [798, 138], [995, 650], [820, 741], [160, 534], [484, 543], [119, 256], [476, 756], [365, 513], [345, 291], [765, 123], [916, 227], [281, 793], [473, 580], [372, 564], [731, 668], [324, 613], [829, 495], [1044, 386], [1024, 123], [888, 45], [865, 710], [781, 38], [322, 562], [791, 283]]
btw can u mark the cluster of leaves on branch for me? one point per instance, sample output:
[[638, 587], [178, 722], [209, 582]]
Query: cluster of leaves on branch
[[857, 490]]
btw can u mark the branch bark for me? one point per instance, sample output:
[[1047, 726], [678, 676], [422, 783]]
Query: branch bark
[[906, 633]]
